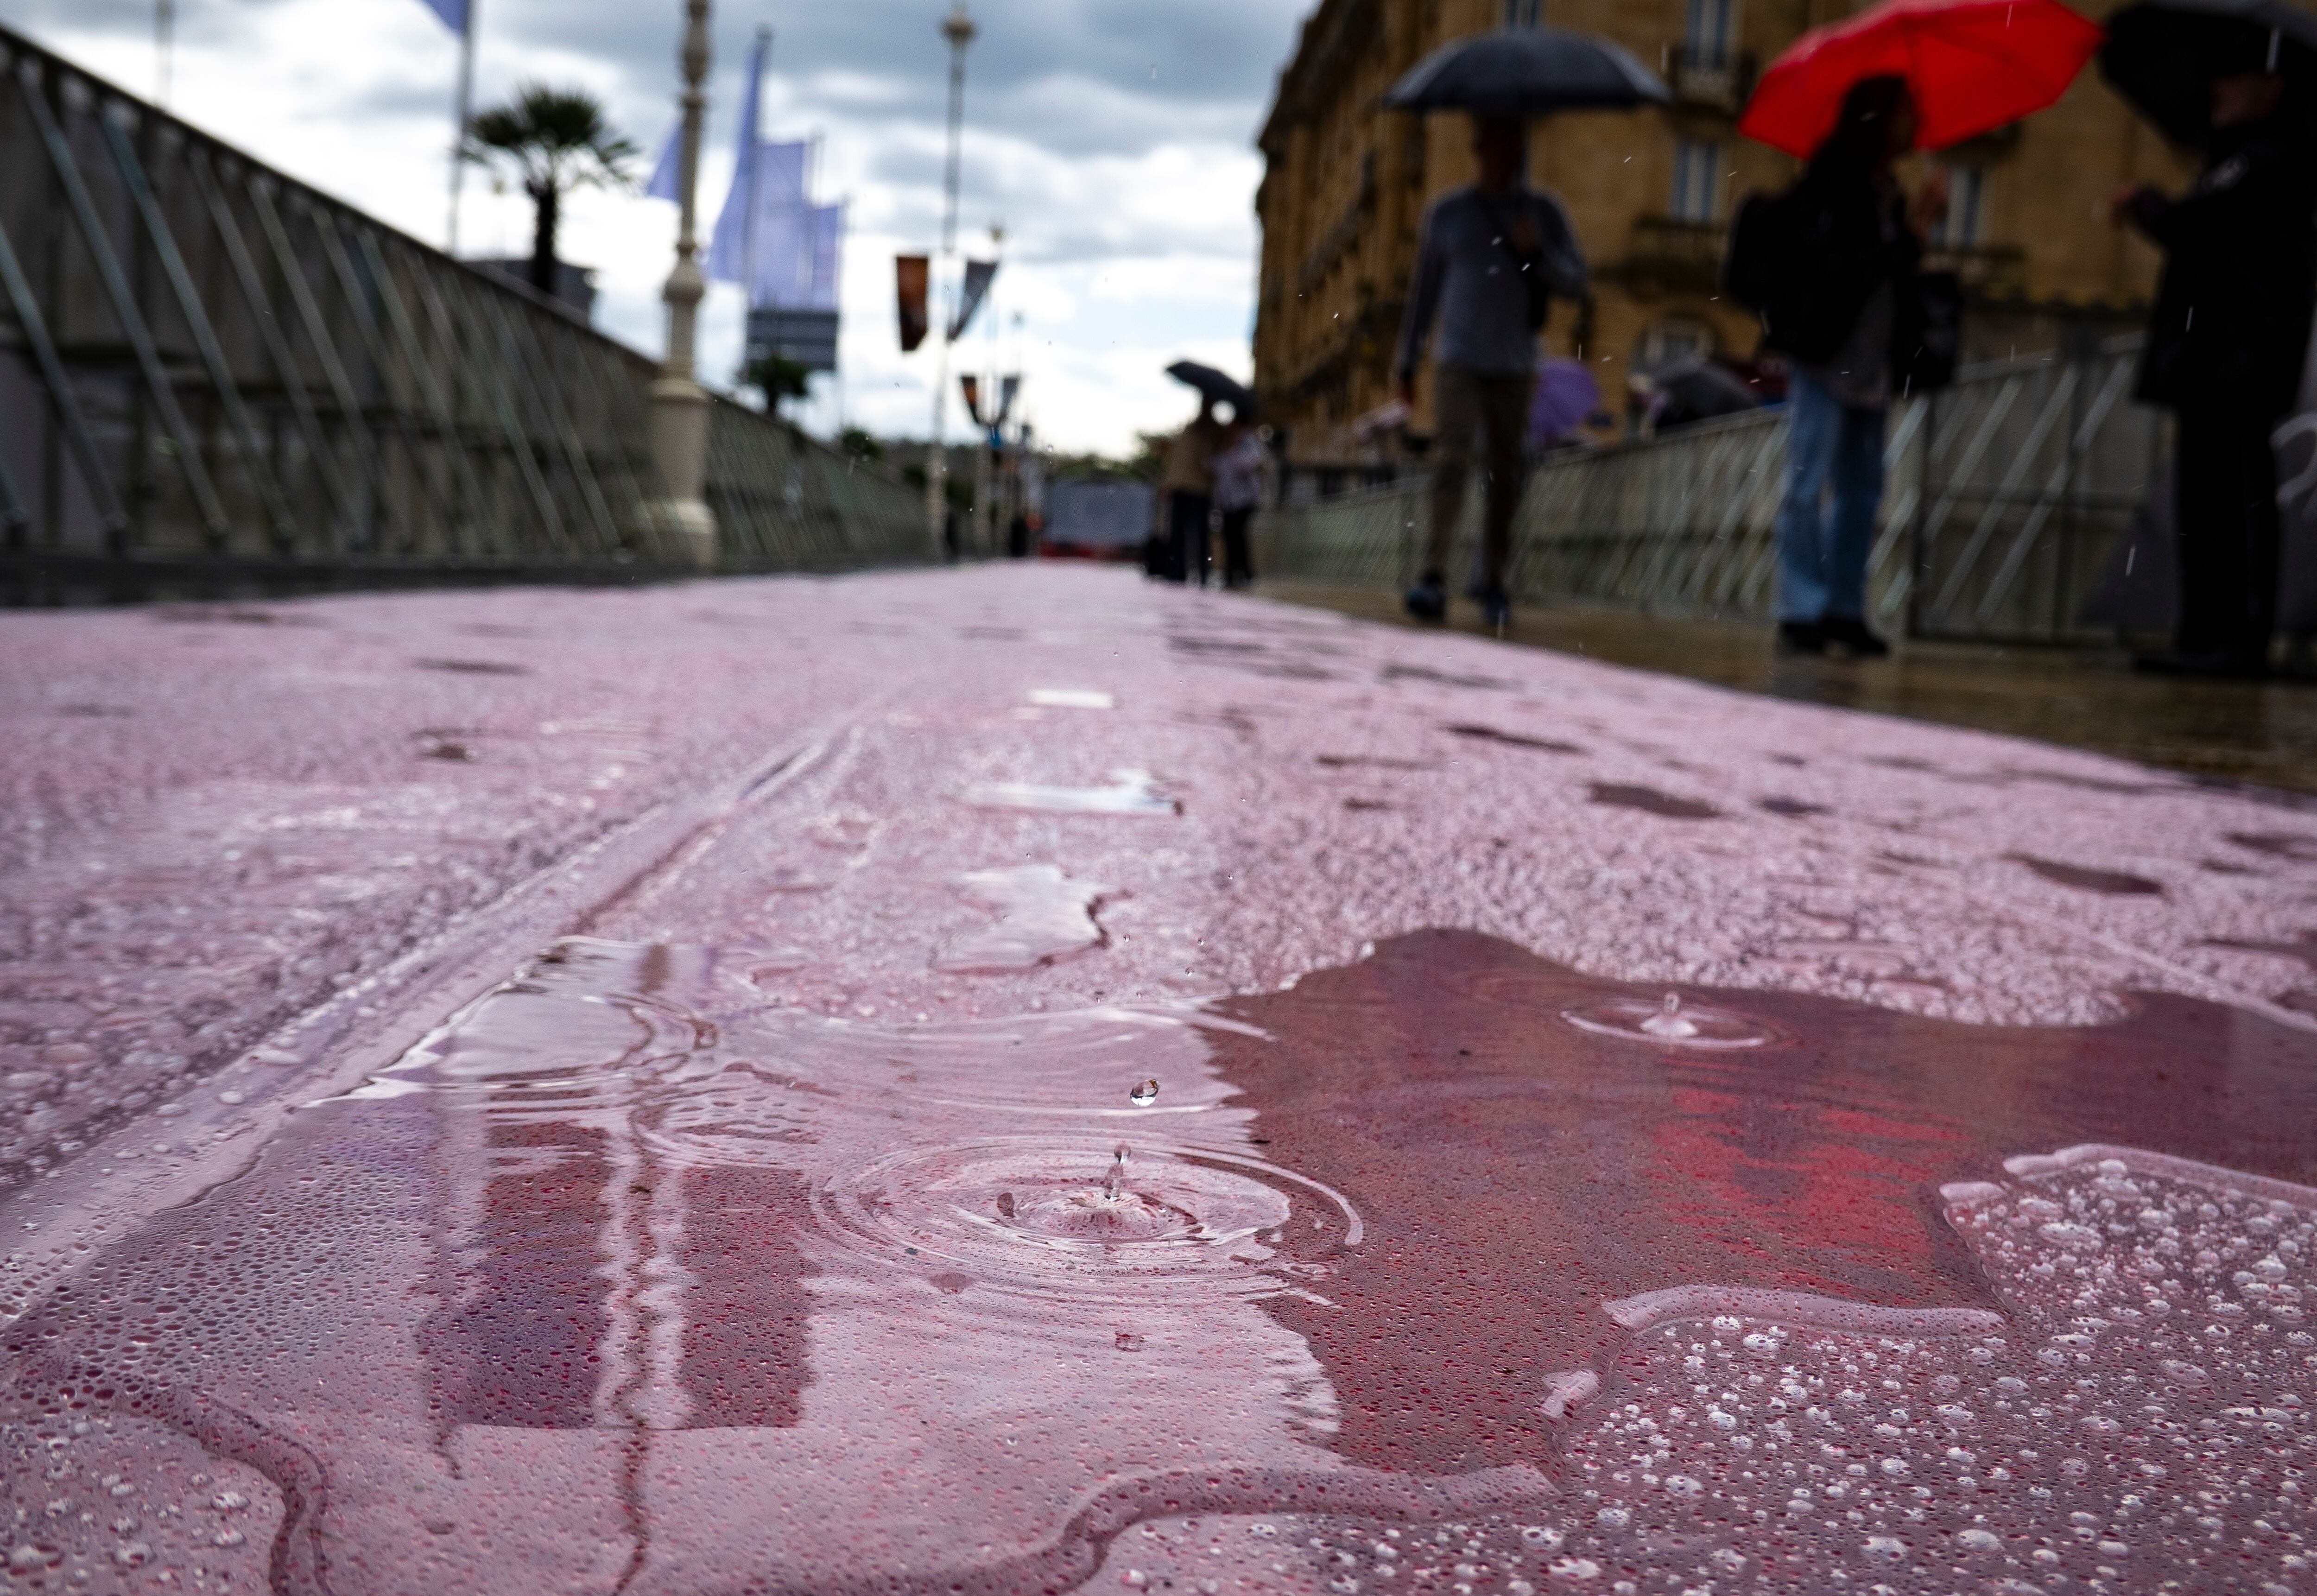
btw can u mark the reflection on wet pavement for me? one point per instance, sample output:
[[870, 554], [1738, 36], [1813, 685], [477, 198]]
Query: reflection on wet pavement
[[1417, 1164], [2232, 730]]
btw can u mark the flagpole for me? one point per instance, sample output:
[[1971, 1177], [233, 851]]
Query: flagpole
[[165, 42], [755, 156], [465, 112], [958, 29]]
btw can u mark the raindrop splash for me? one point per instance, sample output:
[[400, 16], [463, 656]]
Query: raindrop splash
[[1669, 1021]]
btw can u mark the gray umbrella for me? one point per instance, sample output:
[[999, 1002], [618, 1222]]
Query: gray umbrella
[[1527, 72], [1217, 387]]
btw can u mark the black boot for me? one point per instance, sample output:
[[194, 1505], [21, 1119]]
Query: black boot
[[1428, 599], [1850, 632], [1800, 637]]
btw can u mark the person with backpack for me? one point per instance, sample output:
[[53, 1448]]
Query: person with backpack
[[1492, 256], [1833, 267], [2227, 339]]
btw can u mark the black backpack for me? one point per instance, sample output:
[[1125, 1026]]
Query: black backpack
[[1759, 267]]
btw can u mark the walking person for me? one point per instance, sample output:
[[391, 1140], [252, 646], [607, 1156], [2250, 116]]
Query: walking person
[[1850, 250], [1190, 485], [2226, 343], [1238, 489], [1493, 254]]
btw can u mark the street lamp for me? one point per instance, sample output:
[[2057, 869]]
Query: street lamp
[[958, 29], [679, 405]]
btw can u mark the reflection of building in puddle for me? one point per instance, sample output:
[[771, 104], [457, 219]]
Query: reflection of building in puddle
[[866, 1289]]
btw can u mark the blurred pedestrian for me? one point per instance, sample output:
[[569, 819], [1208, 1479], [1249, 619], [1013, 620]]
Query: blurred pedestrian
[[1238, 489], [1492, 256], [2227, 340], [1190, 485], [1846, 290]]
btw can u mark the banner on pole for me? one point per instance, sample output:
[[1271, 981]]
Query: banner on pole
[[665, 171], [978, 274], [909, 275], [1006, 390], [453, 13], [972, 386]]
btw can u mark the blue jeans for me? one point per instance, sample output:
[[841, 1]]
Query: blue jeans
[[1822, 558]]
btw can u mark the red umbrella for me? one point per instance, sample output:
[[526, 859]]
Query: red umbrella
[[1971, 65]]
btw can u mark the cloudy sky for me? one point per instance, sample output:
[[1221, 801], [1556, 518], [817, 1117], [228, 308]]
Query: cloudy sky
[[1113, 139]]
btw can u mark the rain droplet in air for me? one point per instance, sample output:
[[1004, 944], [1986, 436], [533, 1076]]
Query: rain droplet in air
[[1669, 1020], [1145, 1093]]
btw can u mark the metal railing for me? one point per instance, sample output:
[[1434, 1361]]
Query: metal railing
[[208, 368], [2007, 495]]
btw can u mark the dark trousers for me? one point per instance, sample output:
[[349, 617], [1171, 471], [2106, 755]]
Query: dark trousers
[[1186, 536], [2228, 532], [1237, 567]]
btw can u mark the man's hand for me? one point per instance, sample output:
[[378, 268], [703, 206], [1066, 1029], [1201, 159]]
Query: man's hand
[[1408, 389]]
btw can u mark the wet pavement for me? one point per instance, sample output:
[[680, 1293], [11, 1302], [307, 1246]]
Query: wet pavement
[[1017, 1079], [2259, 733]]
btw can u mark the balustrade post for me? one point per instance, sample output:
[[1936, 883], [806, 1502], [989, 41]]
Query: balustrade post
[[679, 405]]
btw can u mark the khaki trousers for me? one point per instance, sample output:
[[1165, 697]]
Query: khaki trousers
[[1467, 403]]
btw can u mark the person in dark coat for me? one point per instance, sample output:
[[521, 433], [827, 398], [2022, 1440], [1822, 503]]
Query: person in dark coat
[[2226, 342], [1841, 310]]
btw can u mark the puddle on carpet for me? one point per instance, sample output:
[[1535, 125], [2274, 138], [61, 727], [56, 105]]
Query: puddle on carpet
[[625, 1267]]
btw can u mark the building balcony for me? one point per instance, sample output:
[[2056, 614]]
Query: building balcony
[[1668, 253], [1711, 80]]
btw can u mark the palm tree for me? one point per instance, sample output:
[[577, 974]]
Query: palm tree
[[557, 139]]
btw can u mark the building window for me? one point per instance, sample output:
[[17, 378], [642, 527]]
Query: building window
[[1696, 180], [1708, 42], [1675, 338], [1524, 13], [1966, 209]]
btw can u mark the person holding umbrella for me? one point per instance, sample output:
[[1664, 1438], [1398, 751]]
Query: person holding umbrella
[[1832, 265], [1189, 482], [1492, 257], [2230, 329]]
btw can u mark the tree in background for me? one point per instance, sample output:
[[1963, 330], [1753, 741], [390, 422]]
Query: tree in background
[[777, 379], [557, 139]]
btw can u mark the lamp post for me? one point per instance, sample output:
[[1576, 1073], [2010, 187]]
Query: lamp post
[[679, 405], [958, 29]]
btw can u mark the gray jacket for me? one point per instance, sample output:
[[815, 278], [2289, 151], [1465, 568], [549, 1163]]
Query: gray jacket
[[1467, 275]]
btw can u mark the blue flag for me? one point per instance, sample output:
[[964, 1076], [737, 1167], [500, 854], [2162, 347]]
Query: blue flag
[[725, 247], [662, 185], [453, 13]]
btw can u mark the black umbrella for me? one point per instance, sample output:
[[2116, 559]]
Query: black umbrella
[[1698, 390], [1217, 388], [1527, 72], [2162, 55]]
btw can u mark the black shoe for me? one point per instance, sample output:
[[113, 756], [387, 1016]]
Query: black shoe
[[1497, 608], [2210, 664], [1850, 632], [1800, 637], [1428, 599]]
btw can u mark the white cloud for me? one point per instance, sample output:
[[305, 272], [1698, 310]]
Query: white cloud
[[1127, 197]]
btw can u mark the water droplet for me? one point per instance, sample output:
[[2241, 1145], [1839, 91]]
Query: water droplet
[[1114, 1186], [1669, 1020], [1145, 1093]]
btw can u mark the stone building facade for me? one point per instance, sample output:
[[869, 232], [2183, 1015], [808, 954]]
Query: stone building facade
[[1651, 192]]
